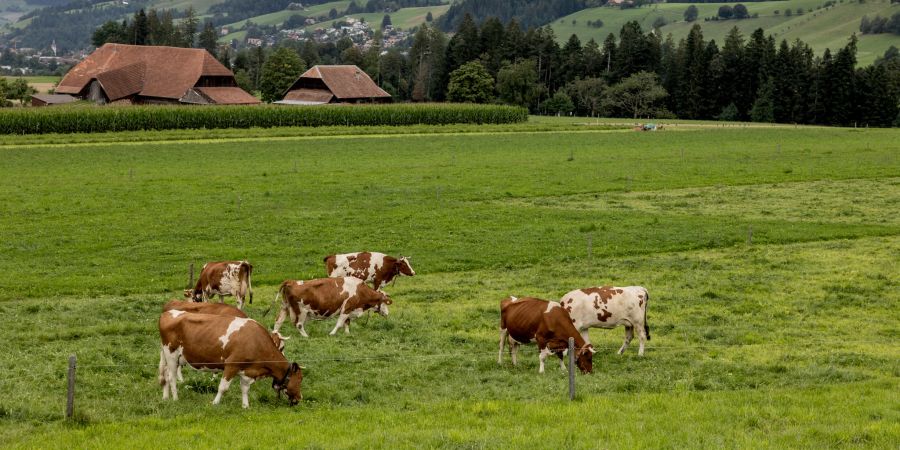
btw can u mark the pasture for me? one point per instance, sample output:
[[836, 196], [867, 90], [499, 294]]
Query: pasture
[[818, 26], [771, 254]]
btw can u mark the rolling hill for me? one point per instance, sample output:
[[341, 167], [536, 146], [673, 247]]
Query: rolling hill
[[821, 27]]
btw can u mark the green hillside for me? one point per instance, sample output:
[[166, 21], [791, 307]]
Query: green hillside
[[822, 28], [404, 18]]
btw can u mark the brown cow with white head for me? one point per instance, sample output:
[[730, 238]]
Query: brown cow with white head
[[223, 278], [609, 307], [233, 345], [319, 299], [371, 267], [528, 319]]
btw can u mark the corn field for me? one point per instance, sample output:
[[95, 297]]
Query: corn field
[[91, 119]]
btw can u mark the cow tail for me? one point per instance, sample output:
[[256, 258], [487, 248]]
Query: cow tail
[[249, 280], [646, 325], [162, 368], [275, 302]]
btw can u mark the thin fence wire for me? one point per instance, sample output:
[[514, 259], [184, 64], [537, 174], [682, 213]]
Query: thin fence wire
[[477, 355]]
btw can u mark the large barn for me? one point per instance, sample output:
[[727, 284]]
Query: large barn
[[140, 74], [334, 84]]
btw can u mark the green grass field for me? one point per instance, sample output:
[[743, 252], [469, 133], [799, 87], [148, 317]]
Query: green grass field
[[788, 341], [820, 28]]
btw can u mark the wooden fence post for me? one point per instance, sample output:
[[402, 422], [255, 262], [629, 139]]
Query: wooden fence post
[[70, 395], [571, 368]]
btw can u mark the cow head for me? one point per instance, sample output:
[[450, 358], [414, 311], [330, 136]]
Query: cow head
[[278, 339], [290, 384], [404, 268], [584, 357], [193, 295], [381, 307]]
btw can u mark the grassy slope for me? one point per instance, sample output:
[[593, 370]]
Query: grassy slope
[[404, 18], [763, 345], [821, 29]]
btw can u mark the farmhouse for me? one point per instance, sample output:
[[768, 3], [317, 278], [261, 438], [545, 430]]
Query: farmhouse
[[334, 84], [135, 74]]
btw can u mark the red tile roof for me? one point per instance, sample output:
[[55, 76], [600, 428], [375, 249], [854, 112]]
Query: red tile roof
[[345, 82], [312, 96], [164, 72], [228, 96]]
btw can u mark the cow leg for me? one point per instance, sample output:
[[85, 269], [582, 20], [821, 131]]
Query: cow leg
[[586, 335], [301, 323], [162, 374], [514, 352], [171, 372], [221, 298], [629, 333], [562, 365], [503, 334], [223, 386], [340, 322], [642, 336], [280, 319], [542, 356], [240, 301], [245, 389], [181, 363]]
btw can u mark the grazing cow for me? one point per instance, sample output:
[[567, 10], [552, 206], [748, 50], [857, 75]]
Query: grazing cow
[[376, 268], [609, 307], [530, 319], [236, 346], [218, 309], [223, 278], [322, 298]]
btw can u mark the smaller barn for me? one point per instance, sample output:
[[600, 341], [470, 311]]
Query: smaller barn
[[334, 84], [51, 99]]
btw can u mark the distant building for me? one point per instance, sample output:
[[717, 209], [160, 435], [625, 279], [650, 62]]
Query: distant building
[[51, 99], [334, 84], [137, 74], [256, 42]]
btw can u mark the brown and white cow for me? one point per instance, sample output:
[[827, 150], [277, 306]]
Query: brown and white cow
[[236, 346], [609, 307], [319, 299], [219, 309], [372, 267], [223, 278], [528, 319]]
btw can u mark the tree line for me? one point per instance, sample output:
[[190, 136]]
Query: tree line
[[633, 74]]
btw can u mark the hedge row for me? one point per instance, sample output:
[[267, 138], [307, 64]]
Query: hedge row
[[90, 119]]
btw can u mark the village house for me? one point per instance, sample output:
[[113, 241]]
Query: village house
[[136, 74], [334, 84]]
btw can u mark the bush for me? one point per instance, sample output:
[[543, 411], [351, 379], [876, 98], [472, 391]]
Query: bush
[[90, 119]]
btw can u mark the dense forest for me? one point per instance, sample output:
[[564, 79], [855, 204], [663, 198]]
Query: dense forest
[[632, 74]]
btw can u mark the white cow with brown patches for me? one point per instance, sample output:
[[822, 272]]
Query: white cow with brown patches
[[371, 267], [609, 307], [346, 297], [223, 278]]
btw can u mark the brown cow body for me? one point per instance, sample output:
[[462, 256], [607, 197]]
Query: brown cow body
[[371, 267], [319, 299], [529, 319], [218, 309], [235, 346], [223, 278]]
